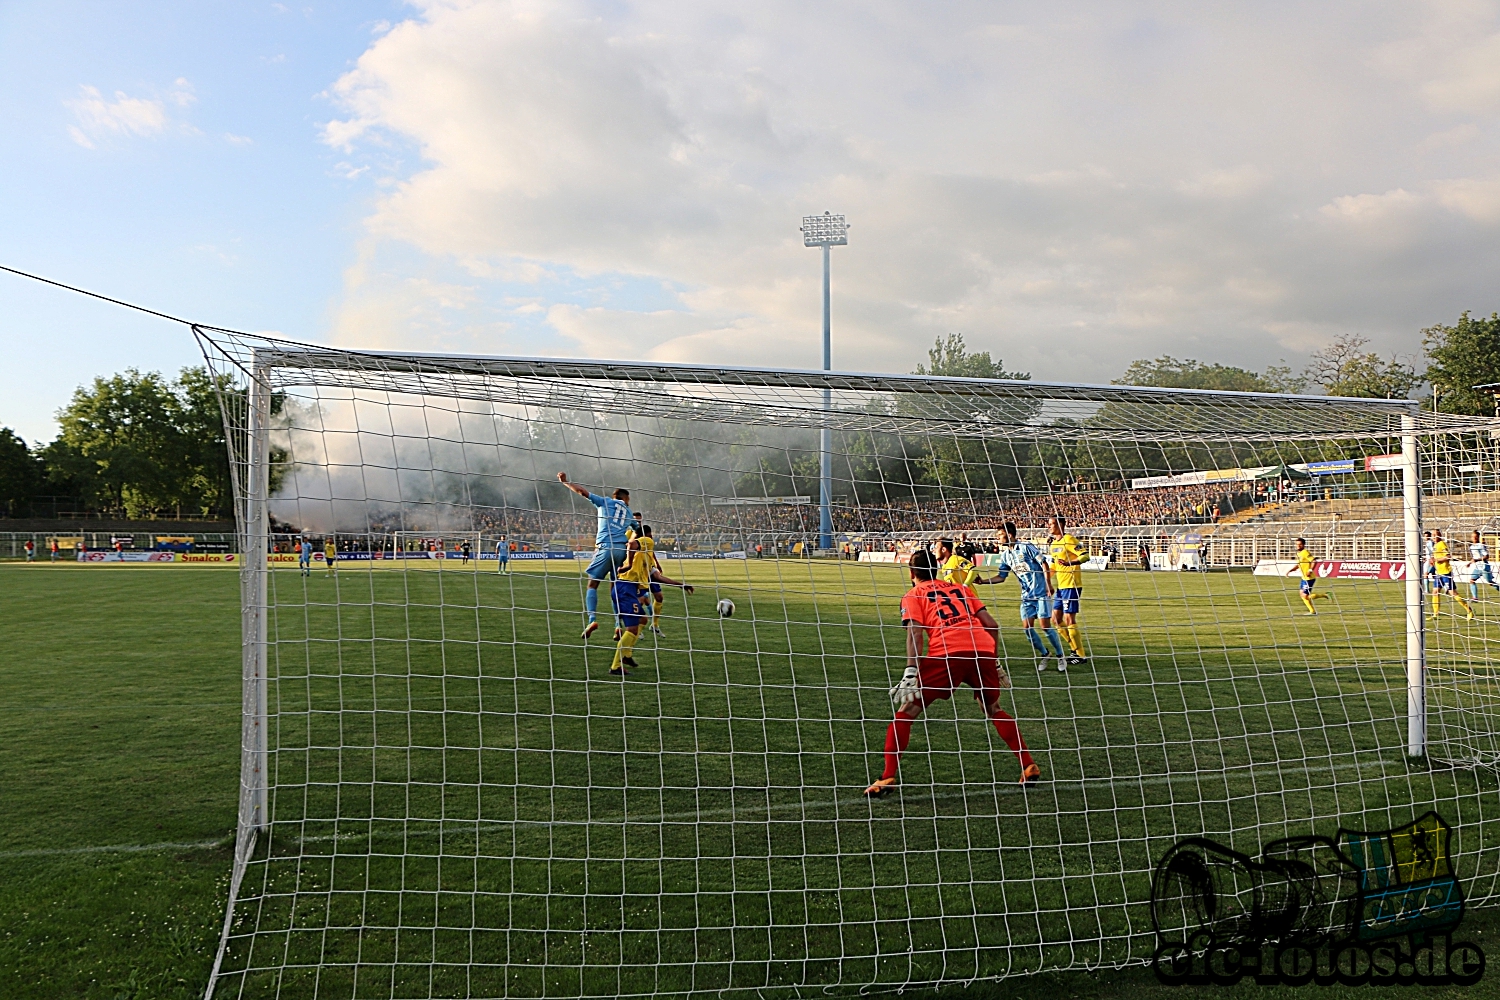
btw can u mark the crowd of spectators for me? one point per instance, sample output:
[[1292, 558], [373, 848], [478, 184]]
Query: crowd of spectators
[[1081, 507]]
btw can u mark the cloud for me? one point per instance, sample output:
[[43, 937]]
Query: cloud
[[1071, 192], [99, 118]]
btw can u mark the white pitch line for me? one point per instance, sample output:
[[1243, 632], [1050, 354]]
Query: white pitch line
[[43, 852], [461, 826]]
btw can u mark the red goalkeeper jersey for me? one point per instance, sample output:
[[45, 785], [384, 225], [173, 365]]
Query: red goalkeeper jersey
[[950, 615]]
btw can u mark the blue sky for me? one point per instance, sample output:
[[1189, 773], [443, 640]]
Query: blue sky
[[1071, 186]]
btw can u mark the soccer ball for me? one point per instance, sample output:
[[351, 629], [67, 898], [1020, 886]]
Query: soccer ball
[[726, 608]]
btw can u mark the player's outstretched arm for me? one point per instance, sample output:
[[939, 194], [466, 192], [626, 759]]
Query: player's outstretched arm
[[657, 576], [582, 491]]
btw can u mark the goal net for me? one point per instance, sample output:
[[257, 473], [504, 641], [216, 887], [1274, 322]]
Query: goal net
[[447, 792]]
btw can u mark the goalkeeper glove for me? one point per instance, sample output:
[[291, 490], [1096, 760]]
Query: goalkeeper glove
[[907, 690]]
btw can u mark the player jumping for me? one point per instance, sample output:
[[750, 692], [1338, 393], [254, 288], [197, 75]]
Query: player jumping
[[1442, 576], [609, 544], [1026, 561], [961, 642], [1306, 569], [1479, 566], [1066, 571]]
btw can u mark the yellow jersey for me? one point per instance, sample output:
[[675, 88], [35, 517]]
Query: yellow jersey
[[1067, 562], [639, 569], [1305, 564], [1440, 559], [958, 570]]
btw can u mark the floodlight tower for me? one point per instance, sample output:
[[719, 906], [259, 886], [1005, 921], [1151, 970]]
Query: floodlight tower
[[826, 230]]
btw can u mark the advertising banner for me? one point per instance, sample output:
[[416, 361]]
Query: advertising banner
[[1338, 569], [130, 557], [221, 558], [885, 557]]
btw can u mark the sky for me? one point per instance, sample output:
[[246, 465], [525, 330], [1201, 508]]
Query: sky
[[1071, 186]]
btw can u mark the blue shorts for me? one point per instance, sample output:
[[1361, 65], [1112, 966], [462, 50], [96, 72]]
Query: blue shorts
[[656, 590], [1481, 571], [1306, 586], [627, 599], [1445, 582], [606, 562], [1036, 607], [1066, 600]]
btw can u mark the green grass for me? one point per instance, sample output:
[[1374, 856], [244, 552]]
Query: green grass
[[464, 804]]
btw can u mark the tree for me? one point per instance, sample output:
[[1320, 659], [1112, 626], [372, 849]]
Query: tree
[[1344, 368], [952, 357], [1462, 356], [20, 474], [1168, 372], [122, 440]]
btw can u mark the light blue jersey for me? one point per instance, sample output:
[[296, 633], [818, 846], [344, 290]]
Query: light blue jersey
[[614, 521], [1026, 561]]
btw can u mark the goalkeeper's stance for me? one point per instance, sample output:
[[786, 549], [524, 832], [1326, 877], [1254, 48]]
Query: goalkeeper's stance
[[961, 641]]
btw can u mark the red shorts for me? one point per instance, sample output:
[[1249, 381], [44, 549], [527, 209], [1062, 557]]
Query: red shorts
[[940, 675]]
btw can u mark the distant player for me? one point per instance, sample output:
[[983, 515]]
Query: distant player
[[609, 544], [1066, 571], [304, 555], [30, 550], [1428, 572], [330, 556], [1026, 561], [632, 587], [1442, 576], [1479, 566], [1306, 569], [502, 555], [961, 642], [465, 550]]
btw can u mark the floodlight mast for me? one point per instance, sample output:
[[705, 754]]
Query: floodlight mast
[[826, 230]]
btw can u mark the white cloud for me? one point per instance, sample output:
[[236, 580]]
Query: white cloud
[[98, 117], [1070, 192]]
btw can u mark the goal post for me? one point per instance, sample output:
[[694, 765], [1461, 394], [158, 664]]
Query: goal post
[[550, 784]]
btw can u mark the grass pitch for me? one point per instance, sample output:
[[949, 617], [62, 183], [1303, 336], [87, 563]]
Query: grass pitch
[[451, 760]]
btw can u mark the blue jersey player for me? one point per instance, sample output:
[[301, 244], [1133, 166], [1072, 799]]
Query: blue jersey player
[[610, 543], [1029, 565]]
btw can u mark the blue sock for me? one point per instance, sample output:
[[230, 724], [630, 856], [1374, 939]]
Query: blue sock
[[1052, 638], [591, 603], [1036, 642]]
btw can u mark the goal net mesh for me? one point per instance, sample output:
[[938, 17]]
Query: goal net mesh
[[446, 793]]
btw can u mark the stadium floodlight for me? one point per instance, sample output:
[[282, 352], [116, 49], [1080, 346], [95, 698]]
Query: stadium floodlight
[[826, 230], [445, 792]]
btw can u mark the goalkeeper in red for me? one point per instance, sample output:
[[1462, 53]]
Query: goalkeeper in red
[[961, 641]]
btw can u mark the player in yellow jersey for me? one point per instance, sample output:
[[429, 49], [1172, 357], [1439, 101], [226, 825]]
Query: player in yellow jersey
[[1066, 572], [632, 584], [1306, 569], [955, 567], [330, 556], [654, 600], [1442, 576]]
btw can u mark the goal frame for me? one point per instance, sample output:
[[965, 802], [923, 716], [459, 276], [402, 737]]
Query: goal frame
[[254, 509]]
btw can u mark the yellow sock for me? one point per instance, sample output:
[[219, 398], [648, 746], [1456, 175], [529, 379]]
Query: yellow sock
[[1308, 601], [1075, 639], [1436, 602], [1463, 604], [622, 650]]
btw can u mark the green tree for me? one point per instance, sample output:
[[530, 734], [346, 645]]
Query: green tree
[[20, 474], [122, 440], [1345, 368], [963, 450], [1460, 357], [1170, 373], [952, 357]]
